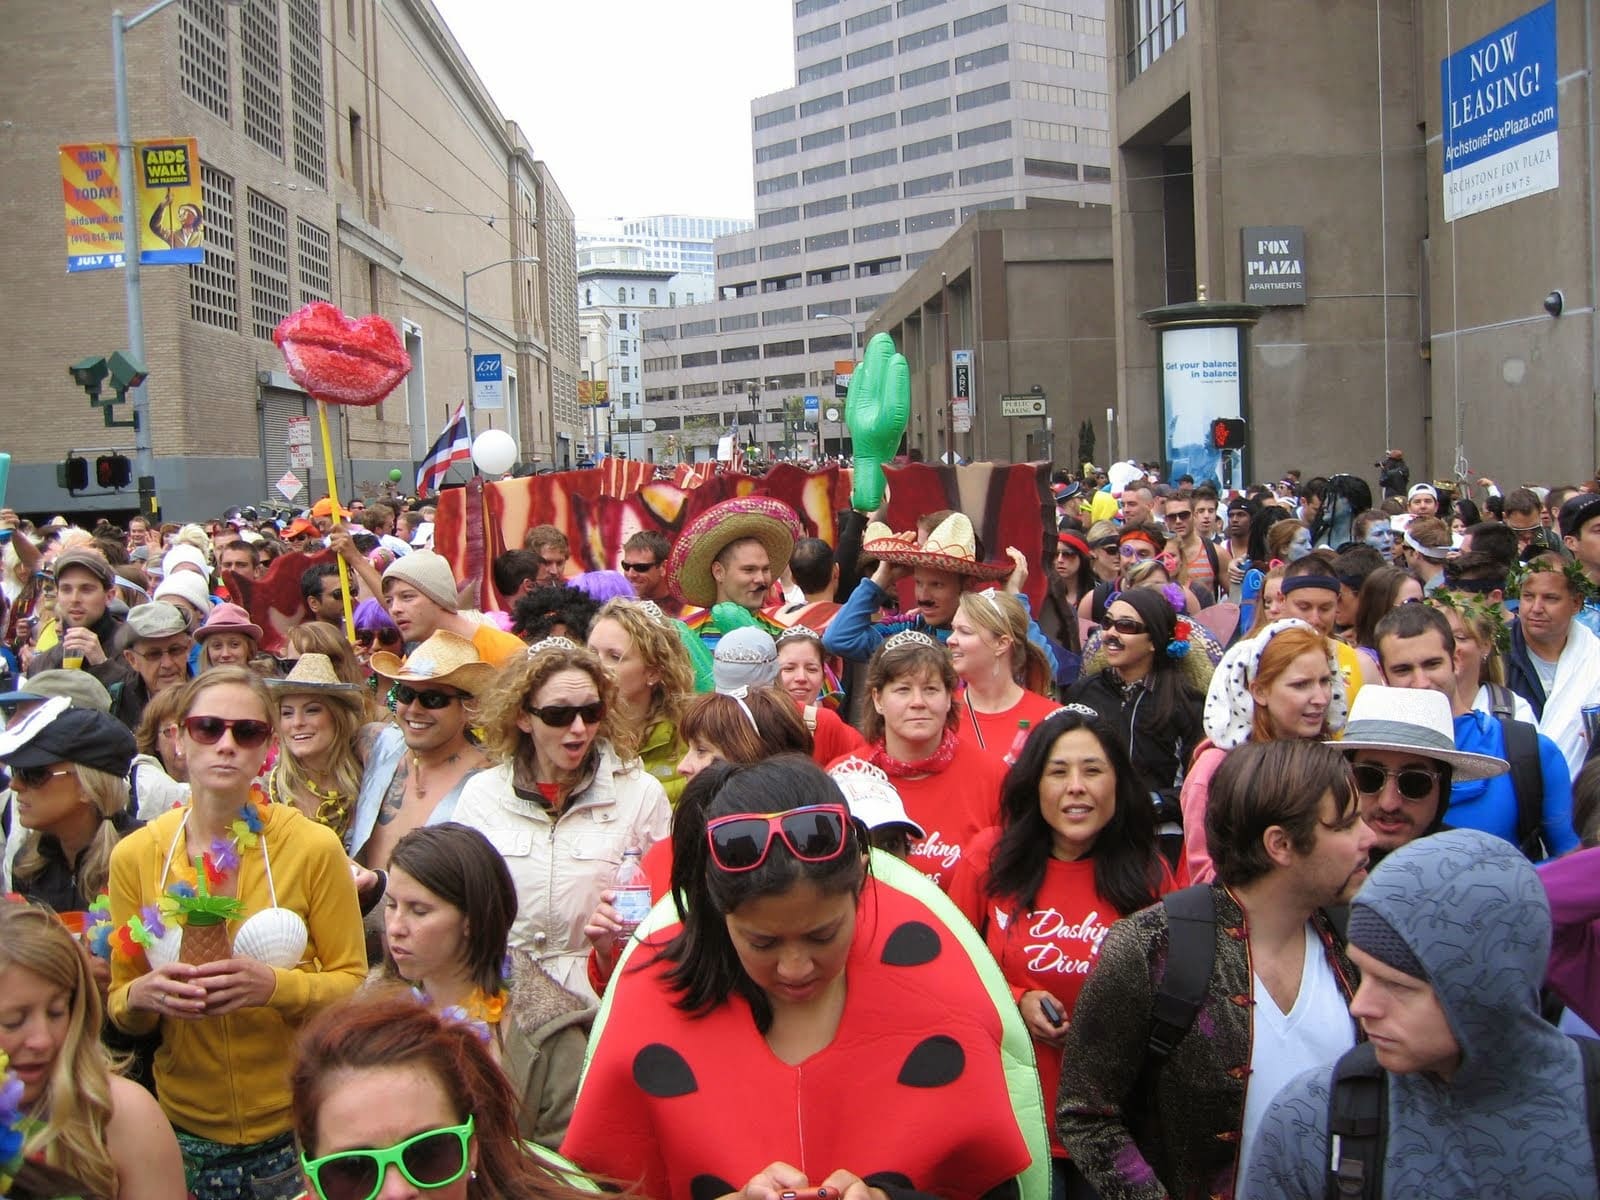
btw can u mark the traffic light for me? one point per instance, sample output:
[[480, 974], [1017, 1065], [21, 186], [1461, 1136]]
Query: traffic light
[[127, 373], [73, 474], [1227, 433], [113, 471], [89, 374]]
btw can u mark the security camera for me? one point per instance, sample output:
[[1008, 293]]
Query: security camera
[[1554, 303]]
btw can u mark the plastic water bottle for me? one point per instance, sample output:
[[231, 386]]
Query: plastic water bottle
[[631, 888], [1017, 743]]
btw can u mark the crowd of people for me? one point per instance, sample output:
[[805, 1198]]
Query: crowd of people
[[1215, 844]]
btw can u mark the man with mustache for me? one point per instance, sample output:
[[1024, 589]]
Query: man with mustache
[[727, 562]]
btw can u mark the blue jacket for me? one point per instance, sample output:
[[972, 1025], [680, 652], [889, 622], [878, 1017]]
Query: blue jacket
[[1490, 805], [854, 634]]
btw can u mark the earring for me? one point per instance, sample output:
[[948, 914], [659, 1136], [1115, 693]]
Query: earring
[[472, 1175]]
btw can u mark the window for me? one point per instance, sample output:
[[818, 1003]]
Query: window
[[214, 283], [661, 333], [588, 298], [1049, 169], [908, 8], [778, 116], [968, 209], [1091, 100], [1094, 137], [821, 104], [933, 220], [739, 354], [818, 71], [873, 16], [817, 37], [912, 151], [922, 75], [916, 258], [984, 134], [929, 183], [804, 8], [1049, 131], [691, 329], [1049, 93], [778, 183], [823, 208], [870, 54], [666, 363], [622, 322], [622, 295], [924, 112], [780, 250], [873, 233], [737, 258], [782, 316], [990, 16], [823, 137], [871, 91], [984, 172], [263, 76], [696, 391], [625, 377], [314, 258], [203, 55], [834, 341], [877, 266], [778, 216], [826, 171], [1050, 18], [776, 150], [741, 321], [1152, 28], [871, 162], [653, 296], [1050, 56], [1094, 174], [872, 125], [826, 275], [982, 58], [781, 283], [700, 358], [930, 36], [736, 290], [827, 241], [978, 97], [865, 304], [828, 308], [783, 349], [268, 226], [877, 195], [305, 90]]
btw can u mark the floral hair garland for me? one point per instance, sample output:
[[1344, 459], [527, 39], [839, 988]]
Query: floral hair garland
[[1582, 587], [1472, 608]]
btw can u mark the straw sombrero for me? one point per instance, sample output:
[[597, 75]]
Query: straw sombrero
[[769, 521], [446, 658], [952, 547], [313, 675]]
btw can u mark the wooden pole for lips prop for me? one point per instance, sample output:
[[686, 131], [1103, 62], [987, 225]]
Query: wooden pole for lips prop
[[345, 361]]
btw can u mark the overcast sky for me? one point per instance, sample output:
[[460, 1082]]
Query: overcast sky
[[639, 106]]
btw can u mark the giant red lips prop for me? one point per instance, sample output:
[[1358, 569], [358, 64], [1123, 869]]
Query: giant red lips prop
[[339, 360]]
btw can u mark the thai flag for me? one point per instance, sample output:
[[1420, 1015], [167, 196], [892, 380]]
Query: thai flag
[[454, 445]]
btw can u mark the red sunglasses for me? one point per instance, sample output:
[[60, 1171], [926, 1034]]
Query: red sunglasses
[[741, 841]]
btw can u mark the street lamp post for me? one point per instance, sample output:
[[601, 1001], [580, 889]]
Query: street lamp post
[[144, 458], [466, 322], [855, 339]]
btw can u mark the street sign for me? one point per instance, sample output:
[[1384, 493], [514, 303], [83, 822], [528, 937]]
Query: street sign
[[290, 485], [843, 369], [1025, 405], [488, 381], [299, 432], [961, 416], [300, 458], [833, 413], [812, 406]]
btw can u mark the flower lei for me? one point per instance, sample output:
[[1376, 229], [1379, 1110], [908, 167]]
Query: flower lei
[[1179, 645], [480, 1013], [189, 896], [13, 1134]]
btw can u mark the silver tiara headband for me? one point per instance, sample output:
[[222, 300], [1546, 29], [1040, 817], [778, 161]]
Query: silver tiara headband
[[652, 610], [991, 596], [909, 637], [799, 633], [551, 643], [756, 655]]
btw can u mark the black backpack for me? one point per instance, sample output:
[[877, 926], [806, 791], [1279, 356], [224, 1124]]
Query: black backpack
[[1358, 1119], [1527, 774]]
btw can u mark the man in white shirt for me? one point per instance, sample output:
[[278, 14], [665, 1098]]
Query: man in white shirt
[[1554, 662]]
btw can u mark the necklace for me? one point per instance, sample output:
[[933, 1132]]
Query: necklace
[[333, 806]]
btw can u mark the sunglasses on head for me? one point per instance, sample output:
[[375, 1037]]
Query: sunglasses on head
[[37, 777], [559, 716], [1126, 626], [429, 1160], [430, 699], [208, 731], [741, 841], [1415, 783], [384, 636]]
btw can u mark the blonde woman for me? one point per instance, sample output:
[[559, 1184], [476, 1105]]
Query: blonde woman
[[105, 1131], [567, 800], [68, 768], [318, 637], [654, 680], [319, 720], [1007, 678]]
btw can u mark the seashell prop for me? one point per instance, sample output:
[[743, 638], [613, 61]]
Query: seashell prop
[[166, 948], [275, 936]]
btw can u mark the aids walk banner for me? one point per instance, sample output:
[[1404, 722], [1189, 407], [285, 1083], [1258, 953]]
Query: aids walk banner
[[1501, 116], [171, 208]]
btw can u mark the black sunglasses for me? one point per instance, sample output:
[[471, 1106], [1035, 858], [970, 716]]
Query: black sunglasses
[[559, 716], [431, 700], [639, 568], [37, 777], [1414, 783], [1126, 626], [208, 731], [385, 636]]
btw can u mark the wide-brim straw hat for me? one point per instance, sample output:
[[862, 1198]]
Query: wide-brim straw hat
[[1413, 721], [445, 658], [952, 548], [771, 522], [313, 675]]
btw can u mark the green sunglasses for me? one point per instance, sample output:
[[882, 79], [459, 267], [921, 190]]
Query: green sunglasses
[[429, 1160]]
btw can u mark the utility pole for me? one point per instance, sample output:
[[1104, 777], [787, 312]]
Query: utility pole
[[949, 383]]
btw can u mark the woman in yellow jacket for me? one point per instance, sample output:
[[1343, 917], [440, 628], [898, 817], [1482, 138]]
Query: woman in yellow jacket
[[234, 921]]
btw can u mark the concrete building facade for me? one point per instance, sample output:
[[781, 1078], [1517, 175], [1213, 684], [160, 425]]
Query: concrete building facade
[[349, 154], [615, 282], [1415, 331], [906, 118]]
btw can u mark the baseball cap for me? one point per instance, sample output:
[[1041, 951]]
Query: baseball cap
[[1418, 489], [57, 732]]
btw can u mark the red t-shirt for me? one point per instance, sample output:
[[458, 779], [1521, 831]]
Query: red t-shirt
[[993, 733], [952, 806], [1051, 948], [832, 739]]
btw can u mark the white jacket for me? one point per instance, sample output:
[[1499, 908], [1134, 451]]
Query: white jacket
[[561, 865]]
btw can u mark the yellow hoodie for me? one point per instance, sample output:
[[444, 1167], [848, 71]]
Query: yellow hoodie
[[226, 1078]]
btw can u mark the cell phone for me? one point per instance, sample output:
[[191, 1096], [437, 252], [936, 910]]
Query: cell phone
[[1052, 1010], [820, 1193]]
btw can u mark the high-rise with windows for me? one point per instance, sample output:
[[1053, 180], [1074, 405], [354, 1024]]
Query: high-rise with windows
[[906, 117], [672, 242]]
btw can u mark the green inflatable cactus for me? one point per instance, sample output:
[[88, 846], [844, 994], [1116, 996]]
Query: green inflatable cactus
[[876, 409]]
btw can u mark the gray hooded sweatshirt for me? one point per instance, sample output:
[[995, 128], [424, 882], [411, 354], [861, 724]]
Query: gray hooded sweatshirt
[[1511, 1122]]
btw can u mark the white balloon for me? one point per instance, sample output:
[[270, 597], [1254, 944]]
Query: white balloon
[[494, 451]]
